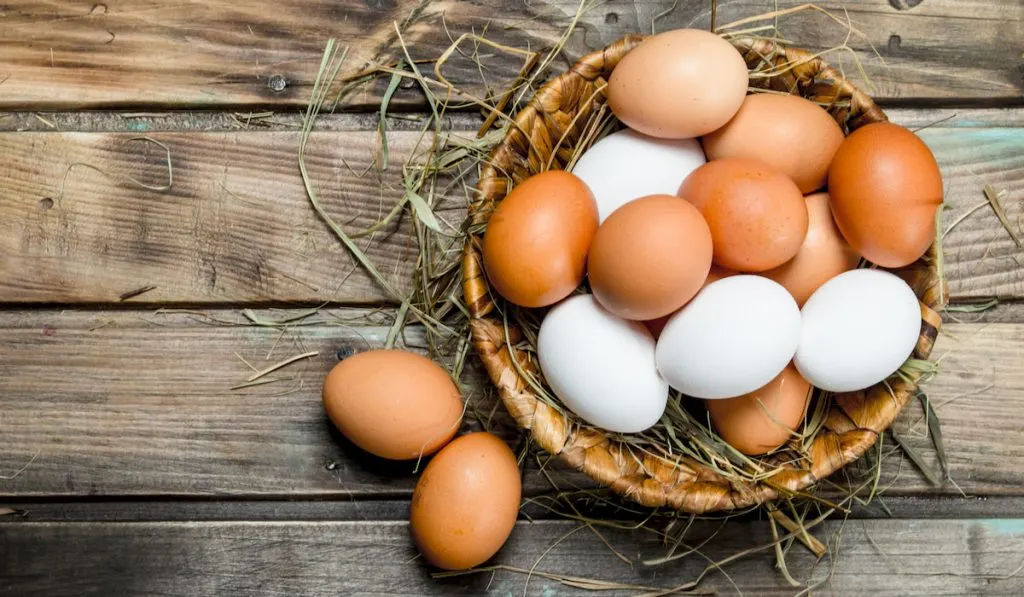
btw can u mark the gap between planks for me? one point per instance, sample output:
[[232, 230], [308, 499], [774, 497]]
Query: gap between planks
[[383, 508]]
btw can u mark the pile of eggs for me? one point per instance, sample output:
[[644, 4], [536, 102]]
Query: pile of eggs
[[720, 234]]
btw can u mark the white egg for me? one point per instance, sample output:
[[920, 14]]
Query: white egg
[[858, 329], [627, 165], [734, 337], [601, 367]]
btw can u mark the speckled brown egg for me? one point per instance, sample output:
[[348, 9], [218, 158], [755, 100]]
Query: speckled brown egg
[[761, 421], [392, 403], [757, 216], [885, 186], [789, 133], [649, 257], [823, 255], [536, 242], [466, 502], [678, 84]]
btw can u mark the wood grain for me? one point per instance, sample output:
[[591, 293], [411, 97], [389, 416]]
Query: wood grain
[[981, 257], [139, 404], [61, 53], [878, 557], [237, 227], [132, 403]]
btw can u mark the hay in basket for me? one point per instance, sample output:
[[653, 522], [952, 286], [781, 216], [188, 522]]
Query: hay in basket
[[680, 463]]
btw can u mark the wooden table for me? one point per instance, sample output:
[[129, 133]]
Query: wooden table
[[128, 464]]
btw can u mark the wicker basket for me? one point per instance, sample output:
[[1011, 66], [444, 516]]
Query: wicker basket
[[555, 117]]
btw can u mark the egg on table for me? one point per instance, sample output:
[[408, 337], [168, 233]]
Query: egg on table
[[732, 338], [600, 366], [858, 329], [757, 216], [823, 255], [886, 187], [466, 502], [678, 84], [392, 403], [649, 257], [536, 242], [794, 135], [627, 165], [761, 421]]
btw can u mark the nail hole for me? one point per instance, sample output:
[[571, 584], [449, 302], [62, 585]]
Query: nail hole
[[894, 42], [611, 18], [904, 4], [344, 353], [45, 203], [277, 83]]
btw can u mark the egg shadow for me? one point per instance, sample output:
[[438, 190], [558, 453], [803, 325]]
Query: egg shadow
[[355, 457]]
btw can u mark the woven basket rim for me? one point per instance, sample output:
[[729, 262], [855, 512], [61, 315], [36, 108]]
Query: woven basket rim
[[855, 419]]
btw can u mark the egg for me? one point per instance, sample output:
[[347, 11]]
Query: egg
[[757, 216], [732, 338], [536, 242], [885, 186], [794, 135], [823, 255], [601, 367], [466, 502], [627, 165], [650, 257], [393, 404], [678, 84], [858, 329], [657, 324], [761, 421]]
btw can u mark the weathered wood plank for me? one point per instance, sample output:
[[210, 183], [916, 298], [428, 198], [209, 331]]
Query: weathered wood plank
[[981, 257], [877, 557], [236, 225], [62, 53], [131, 403], [139, 404], [981, 371]]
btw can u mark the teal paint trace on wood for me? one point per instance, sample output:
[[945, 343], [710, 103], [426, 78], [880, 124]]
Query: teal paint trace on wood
[[1004, 526]]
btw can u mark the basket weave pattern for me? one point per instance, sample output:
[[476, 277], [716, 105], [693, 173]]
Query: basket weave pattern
[[555, 118]]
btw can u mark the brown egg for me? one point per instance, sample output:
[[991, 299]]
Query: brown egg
[[392, 403], [789, 133], [885, 187], [823, 255], [678, 84], [535, 246], [657, 324], [757, 216], [758, 422], [649, 257], [466, 502]]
